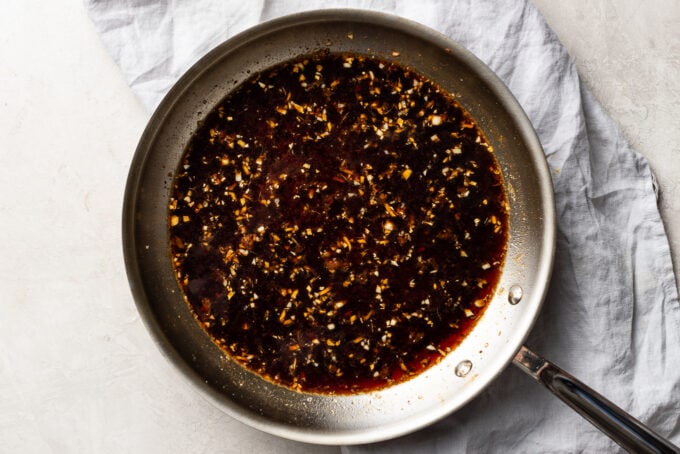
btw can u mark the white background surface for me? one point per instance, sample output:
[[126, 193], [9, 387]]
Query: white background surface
[[78, 371]]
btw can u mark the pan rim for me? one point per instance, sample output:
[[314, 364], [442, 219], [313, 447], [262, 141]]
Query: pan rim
[[131, 246]]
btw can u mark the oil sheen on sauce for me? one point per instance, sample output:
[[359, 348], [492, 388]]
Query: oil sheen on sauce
[[338, 223]]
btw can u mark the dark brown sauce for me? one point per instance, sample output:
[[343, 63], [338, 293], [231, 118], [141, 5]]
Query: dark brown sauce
[[338, 224]]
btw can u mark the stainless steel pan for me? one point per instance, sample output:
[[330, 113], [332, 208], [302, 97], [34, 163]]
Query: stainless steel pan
[[498, 336]]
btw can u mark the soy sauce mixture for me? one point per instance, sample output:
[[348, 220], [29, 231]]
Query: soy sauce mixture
[[338, 223]]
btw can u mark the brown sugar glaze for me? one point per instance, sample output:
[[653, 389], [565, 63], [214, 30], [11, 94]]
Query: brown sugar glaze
[[338, 223]]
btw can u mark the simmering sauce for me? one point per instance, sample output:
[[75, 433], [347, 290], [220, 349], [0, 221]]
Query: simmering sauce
[[338, 223]]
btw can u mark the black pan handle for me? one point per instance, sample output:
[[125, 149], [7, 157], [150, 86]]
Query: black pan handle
[[624, 429]]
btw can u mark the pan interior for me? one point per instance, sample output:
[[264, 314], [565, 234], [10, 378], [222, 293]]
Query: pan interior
[[390, 412]]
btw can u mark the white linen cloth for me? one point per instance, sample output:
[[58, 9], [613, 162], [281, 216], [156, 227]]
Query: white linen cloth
[[612, 316]]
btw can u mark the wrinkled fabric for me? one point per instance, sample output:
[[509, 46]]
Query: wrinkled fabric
[[611, 316]]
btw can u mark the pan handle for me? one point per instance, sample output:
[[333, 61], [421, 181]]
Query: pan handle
[[624, 429]]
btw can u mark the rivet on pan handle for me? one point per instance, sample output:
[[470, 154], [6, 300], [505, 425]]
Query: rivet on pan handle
[[624, 429]]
